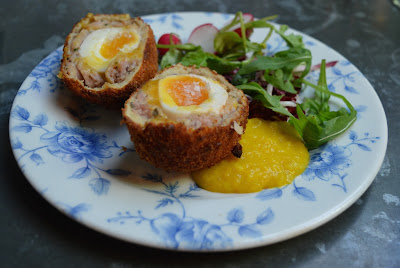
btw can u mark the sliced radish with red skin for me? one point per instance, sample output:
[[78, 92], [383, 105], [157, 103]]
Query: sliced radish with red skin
[[247, 17], [166, 39], [204, 36]]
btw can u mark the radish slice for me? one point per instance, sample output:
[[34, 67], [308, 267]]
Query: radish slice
[[166, 39], [204, 36], [247, 17]]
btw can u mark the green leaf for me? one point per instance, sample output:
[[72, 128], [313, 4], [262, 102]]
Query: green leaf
[[228, 42], [173, 56], [322, 125], [242, 79], [258, 93], [280, 67], [201, 58], [292, 40], [258, 24], [315, 135], [288, 60], [197, 57], [322, 97], [220, 65], [255, 47], [232, 56], [277, 80]]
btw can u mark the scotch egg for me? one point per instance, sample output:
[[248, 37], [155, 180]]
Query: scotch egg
[[186, 118], [107, 57]]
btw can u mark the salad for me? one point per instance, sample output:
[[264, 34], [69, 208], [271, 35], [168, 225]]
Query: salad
[[272, 83]]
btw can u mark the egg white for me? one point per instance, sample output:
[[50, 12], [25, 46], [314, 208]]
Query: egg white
[[91, 46], [217, 97]]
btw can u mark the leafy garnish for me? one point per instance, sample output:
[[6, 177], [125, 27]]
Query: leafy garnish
[[322, 125], [201, 58], [258, 93], [173, 56], [228, 43], [292, 40], [287, 60], [279, 69], [285, 71]]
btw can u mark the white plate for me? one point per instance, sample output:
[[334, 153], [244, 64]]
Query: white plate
[[82, 161]]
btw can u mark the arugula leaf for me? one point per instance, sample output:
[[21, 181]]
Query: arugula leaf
[[258, 24], [221, 66], [173, 56], [322, 125], [197, 57], [281, 80], [315, 134], [226, 42], [279, 69], [318, 105], [287, 59], [254, 47], [201, 58], [238, 80], [292, 40], [258, 93]]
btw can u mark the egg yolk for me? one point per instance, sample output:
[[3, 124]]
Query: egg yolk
[[273, 155], [111, 47], [186, 90]]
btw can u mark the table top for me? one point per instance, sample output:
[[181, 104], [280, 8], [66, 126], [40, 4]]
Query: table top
[[34, 233]]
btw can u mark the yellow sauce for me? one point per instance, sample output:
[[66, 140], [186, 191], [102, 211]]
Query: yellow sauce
[[273, 155]]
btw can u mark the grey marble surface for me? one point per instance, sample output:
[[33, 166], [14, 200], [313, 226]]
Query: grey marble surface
[[33, 233]]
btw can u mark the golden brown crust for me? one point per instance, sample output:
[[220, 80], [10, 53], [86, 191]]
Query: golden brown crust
[[113, 95], [175, 147]]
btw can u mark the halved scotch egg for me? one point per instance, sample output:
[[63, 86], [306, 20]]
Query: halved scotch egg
[[107, 57], [186, 118]]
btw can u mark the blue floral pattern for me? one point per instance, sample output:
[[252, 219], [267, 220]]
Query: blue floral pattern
[[183, 231], [330, 161], [276, 45], [300, 192], [341, 76], [46, 71], [327, 163], [175, 20], [72, 145]]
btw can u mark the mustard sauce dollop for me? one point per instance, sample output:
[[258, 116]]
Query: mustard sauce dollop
[[273, 156]]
